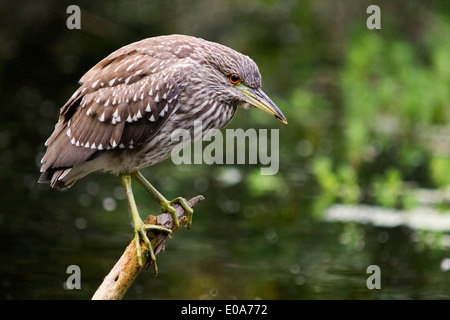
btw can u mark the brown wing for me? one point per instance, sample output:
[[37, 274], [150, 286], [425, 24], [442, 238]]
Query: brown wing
[[122, 101], [122, 116]]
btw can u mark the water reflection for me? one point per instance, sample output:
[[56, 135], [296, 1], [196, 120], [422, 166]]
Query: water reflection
[[417, 218], [326, 260]]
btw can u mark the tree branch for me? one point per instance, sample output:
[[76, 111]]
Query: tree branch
[[126, 270]]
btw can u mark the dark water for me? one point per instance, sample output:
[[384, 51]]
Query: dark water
[[223, 256]]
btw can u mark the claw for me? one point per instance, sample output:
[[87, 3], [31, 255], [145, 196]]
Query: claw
[[141, 233], [168, 206], [140, 229], [182, 202]]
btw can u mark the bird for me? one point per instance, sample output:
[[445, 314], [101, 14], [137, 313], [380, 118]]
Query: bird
[[121, 117]]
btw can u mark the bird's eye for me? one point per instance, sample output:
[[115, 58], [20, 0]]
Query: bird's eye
[[234, 79]]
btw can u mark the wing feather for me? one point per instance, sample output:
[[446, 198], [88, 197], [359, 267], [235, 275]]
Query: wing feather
[[122, 102]]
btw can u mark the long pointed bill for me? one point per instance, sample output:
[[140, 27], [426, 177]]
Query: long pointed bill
[[257, 98]]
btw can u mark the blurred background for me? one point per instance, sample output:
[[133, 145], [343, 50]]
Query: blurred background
[[364, 161]]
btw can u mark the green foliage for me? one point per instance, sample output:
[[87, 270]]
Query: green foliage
[[337, 185], [327, 179], [260, 185], [395, 104], [387, 189], [440, 171]]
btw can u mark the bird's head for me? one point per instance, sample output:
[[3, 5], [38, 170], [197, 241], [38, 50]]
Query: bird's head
[[236, 79]]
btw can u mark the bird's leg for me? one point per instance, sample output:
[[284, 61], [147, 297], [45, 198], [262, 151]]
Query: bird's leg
[[166, 206], [140, 228]]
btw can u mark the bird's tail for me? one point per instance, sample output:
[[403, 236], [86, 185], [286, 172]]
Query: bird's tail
[[56, 178], [62, 163]]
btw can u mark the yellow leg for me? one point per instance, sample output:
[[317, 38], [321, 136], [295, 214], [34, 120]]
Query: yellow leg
[[140, 228], [166, 206]]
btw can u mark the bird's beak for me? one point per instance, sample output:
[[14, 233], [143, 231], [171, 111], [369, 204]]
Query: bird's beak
[[257, 98]]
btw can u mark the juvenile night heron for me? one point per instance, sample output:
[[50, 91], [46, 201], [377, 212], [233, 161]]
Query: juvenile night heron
[[121, 117]]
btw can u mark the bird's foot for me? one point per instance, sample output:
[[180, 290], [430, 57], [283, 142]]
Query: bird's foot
[[167, 206], [140, 233]]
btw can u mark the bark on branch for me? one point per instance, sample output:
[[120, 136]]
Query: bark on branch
[[126, 270]]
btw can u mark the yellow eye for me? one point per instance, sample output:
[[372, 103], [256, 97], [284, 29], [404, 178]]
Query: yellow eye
[[234, 79]]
